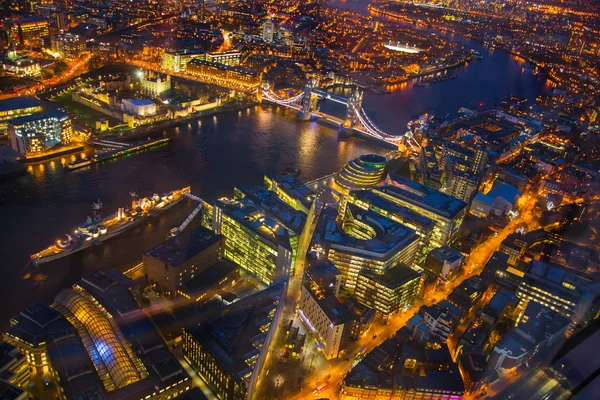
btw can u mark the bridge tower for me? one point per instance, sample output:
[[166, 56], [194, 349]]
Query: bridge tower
[[309, 101], [353, 106]]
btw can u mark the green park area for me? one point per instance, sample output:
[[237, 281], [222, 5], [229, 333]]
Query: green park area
[[87, 115]]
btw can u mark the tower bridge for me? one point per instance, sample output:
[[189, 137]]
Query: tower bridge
[[355, 119]]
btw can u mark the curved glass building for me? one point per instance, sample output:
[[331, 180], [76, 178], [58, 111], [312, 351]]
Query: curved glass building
[[108, 350], [363, 172]]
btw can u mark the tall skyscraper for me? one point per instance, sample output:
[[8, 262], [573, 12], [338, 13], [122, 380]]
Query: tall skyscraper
[[268, 31]]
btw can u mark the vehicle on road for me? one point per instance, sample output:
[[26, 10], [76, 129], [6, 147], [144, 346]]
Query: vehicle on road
[[320, 389]]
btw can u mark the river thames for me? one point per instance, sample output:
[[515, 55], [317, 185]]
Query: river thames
[[212, 156]]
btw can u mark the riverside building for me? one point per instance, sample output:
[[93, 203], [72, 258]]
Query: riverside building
[[259, 244], [364, 241], [447, 211]]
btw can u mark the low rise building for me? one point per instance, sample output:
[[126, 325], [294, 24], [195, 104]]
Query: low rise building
[[139, 107], [539, 328], [439, 321], [443, 261], [176, 261], [499, 201], [240, 78]]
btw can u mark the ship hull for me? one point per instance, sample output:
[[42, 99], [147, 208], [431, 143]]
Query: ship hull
[[102, 238]]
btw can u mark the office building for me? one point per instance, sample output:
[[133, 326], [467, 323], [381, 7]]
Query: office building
[[324, 315], [390, 292], [364, 241], [96, 342], [240, 78], [462, 158], [447, 211], [176, 261], [443, 261], [291, 190], [259, 244], [423, 226], [276, 209], [231, 58], [461, 185], [228, 351], [67, 45], [36, 133], [430, 171], [567, 291], [155, 85], [17, 107], [27, 31], [176, 61], [268, 30], [19, 65], [363, 172]]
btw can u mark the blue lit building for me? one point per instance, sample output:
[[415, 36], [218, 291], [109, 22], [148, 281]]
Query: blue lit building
[[39, 132]]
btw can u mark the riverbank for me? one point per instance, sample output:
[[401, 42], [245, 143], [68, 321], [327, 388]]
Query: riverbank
[[379, 11], [156, 130], [53, 154]]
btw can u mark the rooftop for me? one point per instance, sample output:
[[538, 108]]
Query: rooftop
[[394, 277], [236, 334], [445, 254], [52, 113], [288, 216], [390, 236], [181, 248], [394, 209], [422, 196]]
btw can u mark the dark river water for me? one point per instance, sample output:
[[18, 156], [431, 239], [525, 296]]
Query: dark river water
[[212, 156]]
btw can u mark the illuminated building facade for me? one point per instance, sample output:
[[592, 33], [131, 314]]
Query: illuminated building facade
[[423, 226], [259, 244], [21, 65], [389, 292], [323, 314], [231, 58], [17, 107], [177, 61], [364, 241], [28, 31], [174, 262], [291, 190], [36, 133], [268, 30], [96, 342], [232, 77], [447, 211], [567, 291], [228, 350], [363, 172], [67, 45], [155, 85]]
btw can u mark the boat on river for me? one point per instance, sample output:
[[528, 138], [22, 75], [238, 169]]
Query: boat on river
[[97, 229]]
